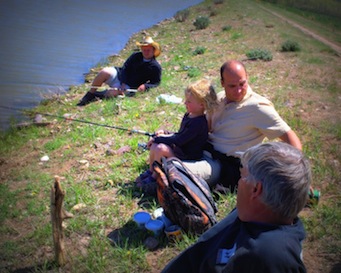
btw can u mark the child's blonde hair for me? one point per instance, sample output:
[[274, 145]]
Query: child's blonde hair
[[204, 91]]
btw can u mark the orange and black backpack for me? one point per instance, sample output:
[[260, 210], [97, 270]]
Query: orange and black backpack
[[185, 198]]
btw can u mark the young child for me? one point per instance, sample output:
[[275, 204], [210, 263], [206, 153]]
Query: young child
[[188, 143]]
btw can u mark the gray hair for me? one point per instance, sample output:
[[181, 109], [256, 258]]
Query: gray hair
[[285, 175]]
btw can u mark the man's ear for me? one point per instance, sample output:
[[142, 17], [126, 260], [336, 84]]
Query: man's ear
[[222, 82], [257, 190]]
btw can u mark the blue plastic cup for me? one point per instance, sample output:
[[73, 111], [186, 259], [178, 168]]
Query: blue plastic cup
[[141, 218]]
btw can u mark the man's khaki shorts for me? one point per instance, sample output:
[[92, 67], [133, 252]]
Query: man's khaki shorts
[[207, 168]]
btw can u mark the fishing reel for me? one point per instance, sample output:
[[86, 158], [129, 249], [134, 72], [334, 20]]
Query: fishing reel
[[142, 146]]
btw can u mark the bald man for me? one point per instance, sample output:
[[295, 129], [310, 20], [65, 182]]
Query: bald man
[[242, 119]]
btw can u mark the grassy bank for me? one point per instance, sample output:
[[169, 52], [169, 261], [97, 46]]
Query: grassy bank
[[98, 178]]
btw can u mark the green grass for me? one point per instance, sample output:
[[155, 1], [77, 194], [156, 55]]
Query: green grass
[[303, 86], [7, 204]]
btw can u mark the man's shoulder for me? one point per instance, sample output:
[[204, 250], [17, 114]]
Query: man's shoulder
[[221, 95], [257, 99], [136, 54], [270, 248], [156, 63], [273, 240]]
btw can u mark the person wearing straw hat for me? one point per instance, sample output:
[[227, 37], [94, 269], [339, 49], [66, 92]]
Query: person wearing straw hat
[[140, 72]]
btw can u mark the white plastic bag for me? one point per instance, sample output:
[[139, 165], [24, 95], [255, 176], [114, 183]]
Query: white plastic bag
[[168, 98]]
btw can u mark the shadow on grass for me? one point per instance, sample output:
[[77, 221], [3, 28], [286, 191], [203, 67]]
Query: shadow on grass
[[131, 236], [147, 200], [336, 268]]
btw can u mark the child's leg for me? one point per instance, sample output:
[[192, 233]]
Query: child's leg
[[157, 151]]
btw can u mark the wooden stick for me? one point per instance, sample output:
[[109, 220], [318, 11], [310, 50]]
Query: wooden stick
[[58, 214]]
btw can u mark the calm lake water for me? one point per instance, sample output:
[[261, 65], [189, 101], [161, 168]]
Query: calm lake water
[[48, 45]]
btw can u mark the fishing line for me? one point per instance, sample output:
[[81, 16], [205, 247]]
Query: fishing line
[[86, 121]]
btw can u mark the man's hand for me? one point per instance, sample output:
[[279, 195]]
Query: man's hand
[[123, 87], [141, 88], [113, 92]]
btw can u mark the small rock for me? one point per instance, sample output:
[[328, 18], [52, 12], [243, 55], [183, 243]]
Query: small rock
[[97, 145], [107, 146], [45, 158], [67, 116], [123, 150], [78, 207], [83, 161], [151, 243], [110, 183], [38, 118], [110, 152]]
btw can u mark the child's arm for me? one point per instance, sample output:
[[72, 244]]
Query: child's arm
[[159, 133], [162, 132], [189, 130]]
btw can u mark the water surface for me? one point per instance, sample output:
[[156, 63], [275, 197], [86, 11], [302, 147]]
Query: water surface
[[48, 45]]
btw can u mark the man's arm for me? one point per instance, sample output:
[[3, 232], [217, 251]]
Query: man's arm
[[127, 67], [291, 138], [154, 79]]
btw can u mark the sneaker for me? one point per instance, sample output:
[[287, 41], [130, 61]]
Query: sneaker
[[100, 94], [149, 186], [142, 176], [89, 97]]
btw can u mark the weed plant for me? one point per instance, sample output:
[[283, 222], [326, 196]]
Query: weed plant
[[290, 45], [201, 22], [199, 50], [226, 28], [259, 54]]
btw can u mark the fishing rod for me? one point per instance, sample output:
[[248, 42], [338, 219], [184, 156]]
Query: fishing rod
[[102, 125], [102, 88], [129, 90], [88, 122]]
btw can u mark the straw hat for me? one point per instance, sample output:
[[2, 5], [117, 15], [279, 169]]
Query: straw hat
[[149, 41]]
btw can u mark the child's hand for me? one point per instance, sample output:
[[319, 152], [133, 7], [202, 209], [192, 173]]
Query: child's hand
[[159, 132], [150, 142]]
